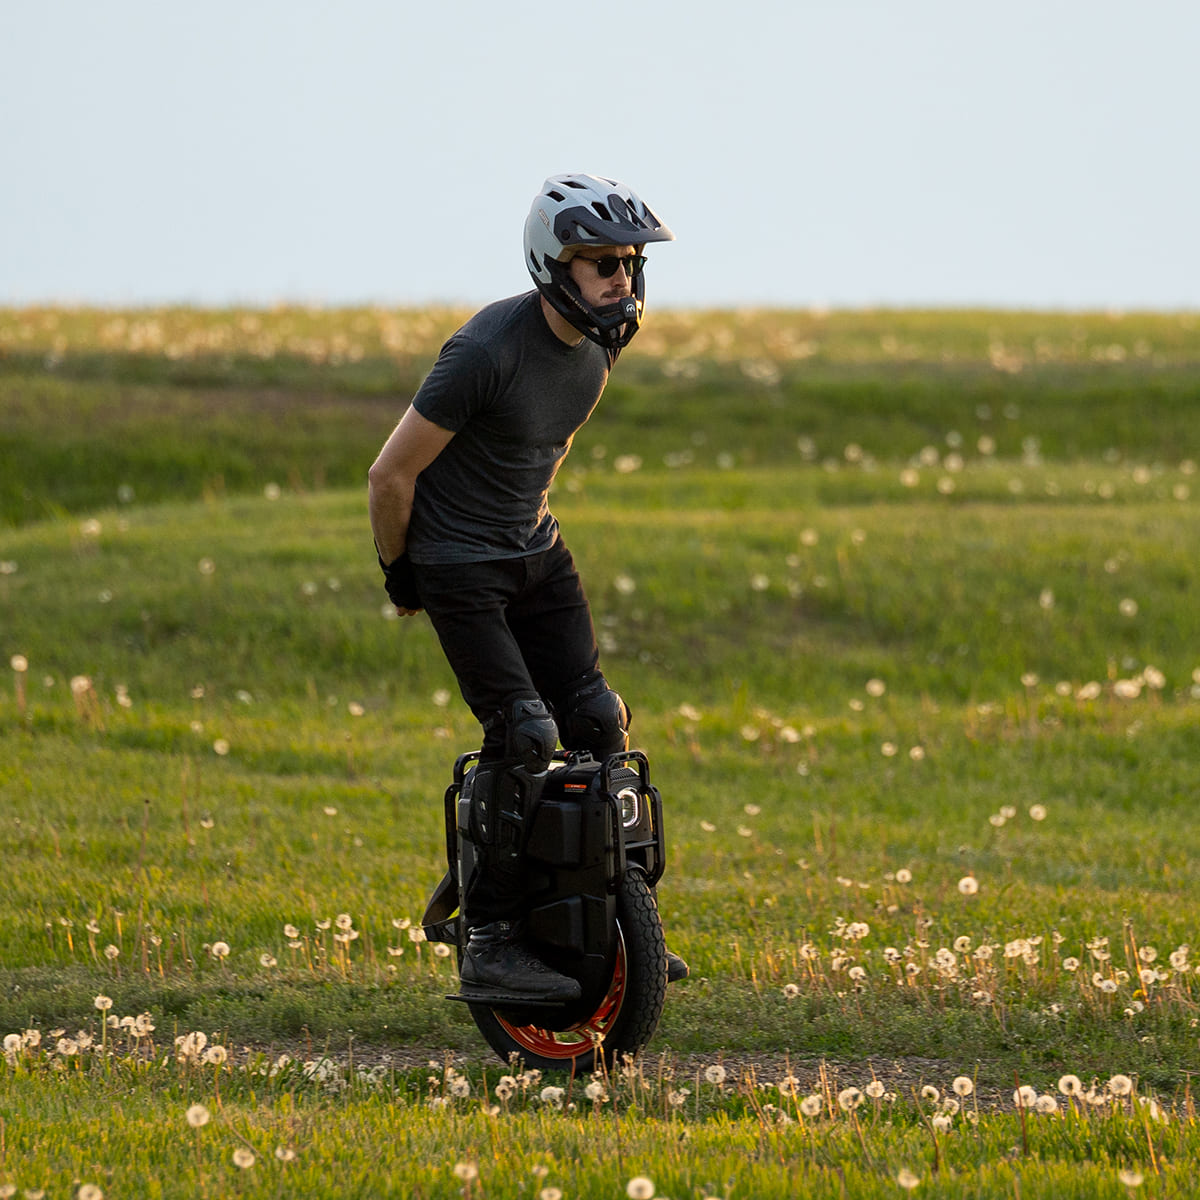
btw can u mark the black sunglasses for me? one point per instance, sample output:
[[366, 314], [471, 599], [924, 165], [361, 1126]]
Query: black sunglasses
[[607, 266]]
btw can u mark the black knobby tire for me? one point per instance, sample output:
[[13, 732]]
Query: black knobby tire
[[624, 1020]]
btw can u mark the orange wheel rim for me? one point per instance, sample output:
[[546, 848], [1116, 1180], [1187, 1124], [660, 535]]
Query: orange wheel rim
[[587, 1034]]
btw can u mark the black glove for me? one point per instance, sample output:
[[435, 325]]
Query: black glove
[[400, 582]]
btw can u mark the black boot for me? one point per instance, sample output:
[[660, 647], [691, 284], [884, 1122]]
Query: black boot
[[498, 966], [677, 969]]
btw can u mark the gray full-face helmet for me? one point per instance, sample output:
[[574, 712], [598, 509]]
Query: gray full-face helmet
[[572, 211]]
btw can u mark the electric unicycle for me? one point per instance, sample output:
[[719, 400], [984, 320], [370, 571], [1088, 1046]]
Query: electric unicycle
[[593, 855]]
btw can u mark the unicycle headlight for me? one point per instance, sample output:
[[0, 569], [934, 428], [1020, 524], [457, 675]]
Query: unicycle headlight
[[630, 800]]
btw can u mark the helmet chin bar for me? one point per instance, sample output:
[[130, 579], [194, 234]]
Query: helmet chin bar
[[609, 325], [615, 324]]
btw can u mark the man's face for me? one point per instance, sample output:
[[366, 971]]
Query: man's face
[[595, 289]]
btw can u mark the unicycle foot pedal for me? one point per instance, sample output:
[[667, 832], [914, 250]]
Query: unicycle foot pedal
[[491, 998]]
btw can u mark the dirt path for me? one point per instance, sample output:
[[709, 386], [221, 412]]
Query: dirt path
[[903, 1077]]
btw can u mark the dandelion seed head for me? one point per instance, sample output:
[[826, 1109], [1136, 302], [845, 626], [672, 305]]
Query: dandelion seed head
[[197, 1116], [968, 885], [640, 1188], [810, 1106], [243, 1158], [963, 1085], [907, 1180]]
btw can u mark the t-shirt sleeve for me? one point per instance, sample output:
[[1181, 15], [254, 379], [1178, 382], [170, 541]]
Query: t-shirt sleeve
[[462, 383]]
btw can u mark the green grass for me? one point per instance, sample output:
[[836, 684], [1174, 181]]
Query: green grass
[[899, 600]]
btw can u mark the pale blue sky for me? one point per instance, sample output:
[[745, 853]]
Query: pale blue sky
[[1033, 153]]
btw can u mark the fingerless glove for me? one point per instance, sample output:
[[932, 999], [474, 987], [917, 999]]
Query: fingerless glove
[[400, 582]]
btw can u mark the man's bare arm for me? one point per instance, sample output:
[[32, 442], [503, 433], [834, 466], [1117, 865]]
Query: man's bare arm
[[392, 479]]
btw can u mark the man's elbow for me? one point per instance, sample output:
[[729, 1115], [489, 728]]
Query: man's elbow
[[389, 488], [382, 479]]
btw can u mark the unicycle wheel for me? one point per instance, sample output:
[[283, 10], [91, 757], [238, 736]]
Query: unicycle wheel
[[624, 1020]]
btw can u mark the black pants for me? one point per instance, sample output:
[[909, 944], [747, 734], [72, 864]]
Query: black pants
[[515, 628]]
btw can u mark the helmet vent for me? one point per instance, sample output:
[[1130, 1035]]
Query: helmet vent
[[557, 197], [601, 211]]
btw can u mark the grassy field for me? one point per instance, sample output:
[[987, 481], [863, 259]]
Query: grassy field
[[904, 606]]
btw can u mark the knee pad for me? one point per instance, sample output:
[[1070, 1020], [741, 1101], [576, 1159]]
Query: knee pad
[[595, 718], [530, 735]]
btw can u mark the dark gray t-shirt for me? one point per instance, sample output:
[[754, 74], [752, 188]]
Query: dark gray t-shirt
[[514, 395]]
